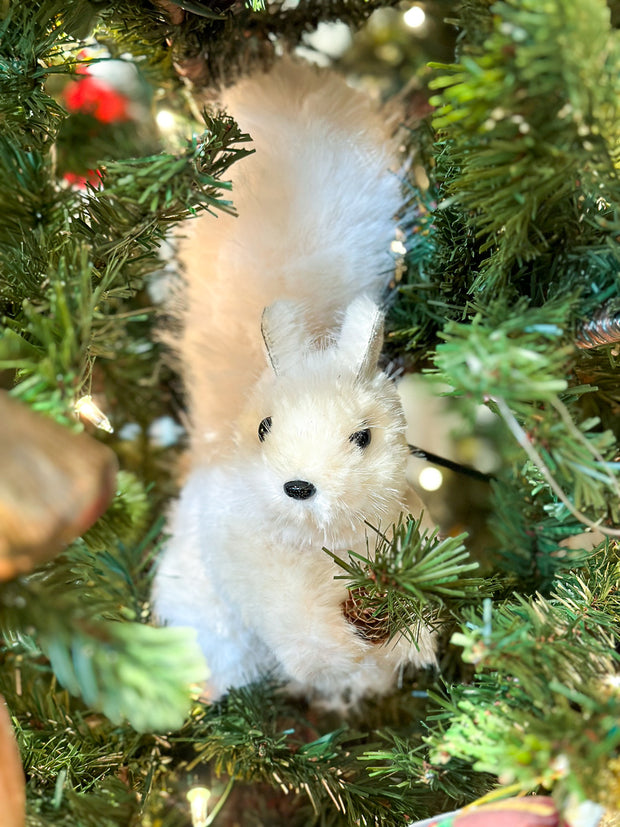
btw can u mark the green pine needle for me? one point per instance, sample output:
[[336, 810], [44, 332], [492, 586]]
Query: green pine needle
[[409, 575], [108, 663]]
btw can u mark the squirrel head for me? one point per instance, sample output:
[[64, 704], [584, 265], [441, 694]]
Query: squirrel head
[[324, 429]]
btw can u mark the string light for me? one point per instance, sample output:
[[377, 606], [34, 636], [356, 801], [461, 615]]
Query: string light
[[165, 120], [398, 247], [414, 17], [85, 408], [430, 478], [198, 798]]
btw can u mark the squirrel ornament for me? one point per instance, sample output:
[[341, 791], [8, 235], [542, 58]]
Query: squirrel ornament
[[295, 450]]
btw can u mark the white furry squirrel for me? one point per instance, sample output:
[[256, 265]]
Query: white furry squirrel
[[290, 454]]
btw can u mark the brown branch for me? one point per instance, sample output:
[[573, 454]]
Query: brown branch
[[193, 68]]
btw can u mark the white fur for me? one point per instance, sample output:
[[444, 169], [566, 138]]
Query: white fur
[[245, 564], [316, 206]]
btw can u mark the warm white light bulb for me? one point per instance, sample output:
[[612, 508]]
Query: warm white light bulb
[[198, 798], [85, 408], [430, 478], [414, 17], [398, 247], [165, 120]]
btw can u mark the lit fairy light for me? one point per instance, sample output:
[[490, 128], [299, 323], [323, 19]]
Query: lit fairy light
[[430, 478], [398, 247], [198, 798], [85, 408], [165, 120], [414, 17], [613, 681]]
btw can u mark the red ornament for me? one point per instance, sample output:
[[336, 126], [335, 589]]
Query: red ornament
[[93, 177], [97, 98]]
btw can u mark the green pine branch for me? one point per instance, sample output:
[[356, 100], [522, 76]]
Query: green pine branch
[[530, 539], [73, 757], [533, 134], [164, 187], [409, 576], [84, 256], [405, 761], [546, 666], [109, 664], [85, 612], [237, 37], [31, 38], [255, 736], [515, 360], [495, 728], [441, 257], [523, 192]]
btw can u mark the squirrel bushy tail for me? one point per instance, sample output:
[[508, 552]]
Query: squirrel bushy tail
[[316, 205]]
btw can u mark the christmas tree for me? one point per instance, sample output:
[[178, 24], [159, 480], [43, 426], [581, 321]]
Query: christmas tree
[[507, 296]]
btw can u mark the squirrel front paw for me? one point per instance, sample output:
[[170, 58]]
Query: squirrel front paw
[[323, 658]]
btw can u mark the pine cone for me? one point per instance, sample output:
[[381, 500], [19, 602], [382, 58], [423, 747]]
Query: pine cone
[[374, 628]]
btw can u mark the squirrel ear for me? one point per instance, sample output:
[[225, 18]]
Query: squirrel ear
[[361, 335], [284, 334]]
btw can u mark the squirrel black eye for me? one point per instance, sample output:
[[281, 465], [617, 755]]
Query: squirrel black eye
[[361, 438], [264, 428]]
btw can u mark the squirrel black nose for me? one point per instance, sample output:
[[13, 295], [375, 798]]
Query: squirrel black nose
[[299, 489]]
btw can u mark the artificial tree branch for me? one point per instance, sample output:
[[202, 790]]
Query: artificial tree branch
[[522, 438]]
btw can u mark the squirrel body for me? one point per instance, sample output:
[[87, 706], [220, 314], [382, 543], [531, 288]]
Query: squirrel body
[[299, 452]]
